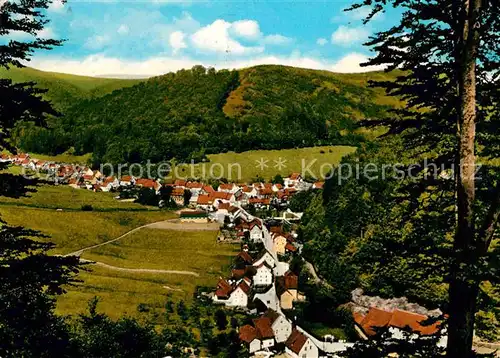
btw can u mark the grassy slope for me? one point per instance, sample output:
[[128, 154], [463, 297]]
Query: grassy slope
[[154, 249], [65, 89], [248, 162], [120, 292], [65, 197]]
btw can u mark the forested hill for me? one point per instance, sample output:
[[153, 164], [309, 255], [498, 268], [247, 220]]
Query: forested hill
[[188, 114], [66, 90]]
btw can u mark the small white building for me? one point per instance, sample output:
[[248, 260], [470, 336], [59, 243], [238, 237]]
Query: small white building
[[299, 345], [263, 275], [281, 326]]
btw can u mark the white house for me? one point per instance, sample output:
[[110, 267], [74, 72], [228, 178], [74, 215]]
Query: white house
[[292, 180], [299, 345], [256, 232], [281, 268], [281, 326], [263, 275], [269, 298], [248, 334], [264, 331], [239, 296], [267, 258]]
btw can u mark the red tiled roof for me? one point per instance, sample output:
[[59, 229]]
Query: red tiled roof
[[266, 191], [290, 247], [279, 186], [245, 256], [247, 189], [179, 182], [264, 328], [318, 184], [296, 341], [272, 315], [233, 209], [194, 185], [178, 192], [402, 319], [146, 183], [291, 280], [238, 273], [248, 333], [126, 178], [223, 289], [220, 195], [375, 318], [224, 206], [244, 286], [204, 200], [294, 176], [208, 189], [226, 186]]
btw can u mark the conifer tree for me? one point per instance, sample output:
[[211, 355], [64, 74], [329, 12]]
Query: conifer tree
[[448, 51]]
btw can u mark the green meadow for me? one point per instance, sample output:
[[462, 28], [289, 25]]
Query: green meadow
[[244, 167]]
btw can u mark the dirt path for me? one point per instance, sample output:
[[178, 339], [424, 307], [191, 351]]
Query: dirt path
[[122, 269], [172, 224]]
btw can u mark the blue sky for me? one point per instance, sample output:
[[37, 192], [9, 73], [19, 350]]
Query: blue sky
[[158, 36]]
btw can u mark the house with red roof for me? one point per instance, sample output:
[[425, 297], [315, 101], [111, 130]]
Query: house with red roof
[[287, 289], [204, 201], [248, 334], [228, 188], [398, 320], [280, 325], [178, 195], [293, 180], [298, 345], [263, 275], [127, 180], [265, 333], [318, 185]]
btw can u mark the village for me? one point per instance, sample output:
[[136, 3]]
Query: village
[[261, 282]]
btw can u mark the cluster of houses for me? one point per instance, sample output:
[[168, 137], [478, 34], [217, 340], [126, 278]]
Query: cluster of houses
[[266, 284], [261, 195], [202, 196]]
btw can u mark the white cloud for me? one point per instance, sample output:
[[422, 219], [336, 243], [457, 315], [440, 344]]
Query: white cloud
[[97, 42], [345, 35], [123, 29], [176, 40], [99, 65], [56, 6], [216, 38], [277, 39], [248, 29], [46, 33], [351, 64], [322, 41]]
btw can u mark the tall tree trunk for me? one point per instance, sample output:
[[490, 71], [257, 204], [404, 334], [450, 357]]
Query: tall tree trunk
[[463, 288]]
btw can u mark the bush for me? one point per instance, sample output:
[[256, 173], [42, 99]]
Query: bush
[[87, 207]]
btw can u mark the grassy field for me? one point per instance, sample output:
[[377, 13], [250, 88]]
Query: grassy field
[[65, 89], [122, 292], [65, 197], [72, 230], [243, 167]]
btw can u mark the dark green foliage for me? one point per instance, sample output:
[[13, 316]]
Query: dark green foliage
[[187, 196], [176, 116], [87, 207], [278, 179], [29, 277], [300, 201], [147, 196], [220, 319]]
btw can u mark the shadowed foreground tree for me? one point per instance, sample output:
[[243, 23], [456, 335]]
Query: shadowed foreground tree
[[449, 51], [29, 278]]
